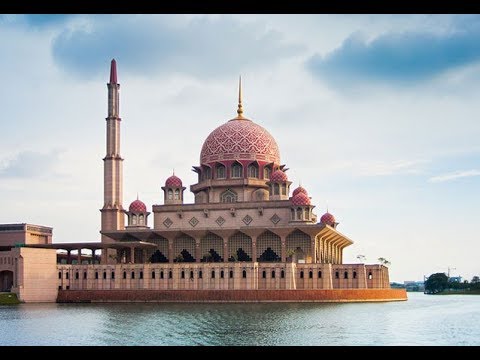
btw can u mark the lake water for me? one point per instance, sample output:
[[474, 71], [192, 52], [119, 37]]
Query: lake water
[[422, 320]]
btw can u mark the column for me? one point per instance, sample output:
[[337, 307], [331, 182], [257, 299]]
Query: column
[[132, 254], [93, 256], [197, 251], [225, 250], [79, 257], [314, 260], [284, 248], [69, 261], [170, 251], [254, 248]]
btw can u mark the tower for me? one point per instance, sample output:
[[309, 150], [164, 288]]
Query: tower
[[112, 211]]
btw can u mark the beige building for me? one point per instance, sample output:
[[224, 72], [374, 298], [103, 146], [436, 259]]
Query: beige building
[[246, 230]]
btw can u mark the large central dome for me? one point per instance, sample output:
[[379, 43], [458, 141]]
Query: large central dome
[[237, 139]]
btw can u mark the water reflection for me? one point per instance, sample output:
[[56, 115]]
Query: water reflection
[[423, 320]]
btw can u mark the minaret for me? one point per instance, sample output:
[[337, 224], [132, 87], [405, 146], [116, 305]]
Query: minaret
[[112, 211]]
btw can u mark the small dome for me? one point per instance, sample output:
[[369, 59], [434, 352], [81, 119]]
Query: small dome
[[299, 190], [173, 181], [327, 219], [278, 176], [137, 206], [301, 199]]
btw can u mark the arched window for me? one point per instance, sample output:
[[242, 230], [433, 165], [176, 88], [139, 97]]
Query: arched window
[[354, 274], [345, 275], [253, 171], [370, 276], [273, 274], [244, 274], [177, 194], [307, 213], [228, 196], [208, 173], [220, 171], [276, 189], [299, 213], [284, 189], [310, 274], [140, 219], [292, 211], [301, 274], [264, 274], [170, 194], [266, 172], [282, 274], [134, 219], [236, 170]]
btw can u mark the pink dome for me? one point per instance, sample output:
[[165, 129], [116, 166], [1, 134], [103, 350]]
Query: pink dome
[[279, 176], [240, 139], [301, 199], [137, 206], [173, 181], [299, 190], [327, 219]]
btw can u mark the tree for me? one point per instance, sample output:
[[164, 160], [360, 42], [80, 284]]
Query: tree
[[361, 258], [475, 280], [383, 261], [436, 283]]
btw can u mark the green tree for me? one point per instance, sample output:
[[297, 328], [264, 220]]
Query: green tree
[[436, 283], [475, 280]]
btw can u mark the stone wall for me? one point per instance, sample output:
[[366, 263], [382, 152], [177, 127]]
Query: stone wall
[[220, 276], [335, 295], [35, 274]]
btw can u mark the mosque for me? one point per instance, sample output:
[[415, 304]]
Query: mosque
[[247, 237]]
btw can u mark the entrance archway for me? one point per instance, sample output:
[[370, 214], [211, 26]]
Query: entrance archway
[[6, 280]]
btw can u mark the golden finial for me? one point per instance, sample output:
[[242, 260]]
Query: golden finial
[[240, 109]]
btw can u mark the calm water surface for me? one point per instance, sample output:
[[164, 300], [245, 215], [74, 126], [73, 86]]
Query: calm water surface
[[422, 320]]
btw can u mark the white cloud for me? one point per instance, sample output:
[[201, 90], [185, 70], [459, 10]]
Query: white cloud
[[454, 176]]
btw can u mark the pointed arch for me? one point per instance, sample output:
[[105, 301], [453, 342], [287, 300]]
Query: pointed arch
[[211, 248], [267, 171], [252, 170], [236, 170], [220, 171], [228, 196], [160, 253], [240, 247], [269, 247], [299, 244], [184, 248]]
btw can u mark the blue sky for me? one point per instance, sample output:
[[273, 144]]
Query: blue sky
[[376, 115]]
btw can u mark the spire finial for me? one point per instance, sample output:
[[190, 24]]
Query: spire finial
[[137, 195], [173, 172], [113, 72], [240, 109]]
